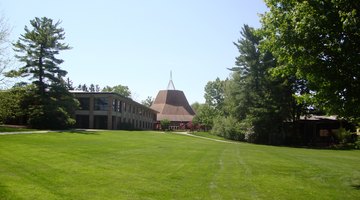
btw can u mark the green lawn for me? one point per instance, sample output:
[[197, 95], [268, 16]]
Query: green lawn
[[208, 135], [151, 165]]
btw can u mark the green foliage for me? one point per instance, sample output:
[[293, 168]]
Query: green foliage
[[205, 116], [48, 105], [9, 105], [13, 103], [228, 127], [37, 49], [53, 112], [347, 139], [195, 106], [148, 101], [318, 41], [49, 116], [119, 89], [165, 123], [253, 97], [214, 94]]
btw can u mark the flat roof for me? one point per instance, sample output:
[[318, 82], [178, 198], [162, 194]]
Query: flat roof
[[112, 93]]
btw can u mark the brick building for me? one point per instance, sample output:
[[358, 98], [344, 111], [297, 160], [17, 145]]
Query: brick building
[[107, 110]]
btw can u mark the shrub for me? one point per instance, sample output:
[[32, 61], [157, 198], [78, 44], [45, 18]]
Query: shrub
[[49, 117], [165, 123], [228, 127]]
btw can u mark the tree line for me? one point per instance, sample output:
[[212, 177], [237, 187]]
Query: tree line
[[304, 59]]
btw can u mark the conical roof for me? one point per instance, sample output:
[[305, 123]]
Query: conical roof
[[173, 105]]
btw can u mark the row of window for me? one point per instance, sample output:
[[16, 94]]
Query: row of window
[[100, 122], [101, 103]]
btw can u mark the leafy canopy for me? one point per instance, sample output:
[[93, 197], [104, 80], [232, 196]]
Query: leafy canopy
[[318, 41], [120, 89]]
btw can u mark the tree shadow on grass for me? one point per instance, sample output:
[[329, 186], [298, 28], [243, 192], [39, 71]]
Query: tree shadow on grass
[[356, 186], [83, 131]]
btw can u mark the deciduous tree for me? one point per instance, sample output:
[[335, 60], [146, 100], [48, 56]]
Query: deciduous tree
[[148, 101], [120, 89], [318, 41], [214, 93], [4, 43]]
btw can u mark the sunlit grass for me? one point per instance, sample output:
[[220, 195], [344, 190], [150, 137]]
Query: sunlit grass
[[152, 165], [208, 135]]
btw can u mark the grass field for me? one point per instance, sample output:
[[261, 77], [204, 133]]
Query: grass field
[[208, 135], [13, 129], [152, 165]]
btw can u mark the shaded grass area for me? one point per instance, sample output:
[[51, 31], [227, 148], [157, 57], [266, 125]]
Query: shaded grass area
[[4, 128], [151, 165]]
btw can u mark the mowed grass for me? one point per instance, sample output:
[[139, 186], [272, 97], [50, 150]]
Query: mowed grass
[[152, 165], [13, 129], [208, 135]]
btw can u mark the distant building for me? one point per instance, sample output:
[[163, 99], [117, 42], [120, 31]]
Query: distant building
[[107, 110], [172, 105], [316, 130]]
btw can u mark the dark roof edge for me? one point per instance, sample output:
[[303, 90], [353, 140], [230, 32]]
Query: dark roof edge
[[112, 93]]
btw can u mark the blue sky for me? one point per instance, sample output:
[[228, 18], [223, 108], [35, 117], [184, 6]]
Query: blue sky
[[137, 43]]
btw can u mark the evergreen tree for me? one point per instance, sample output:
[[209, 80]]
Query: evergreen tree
[[79, 87], [255, 98], [92, 88], [84, 88], [37, 48], [50, 105], [97, 88], [69, 84]]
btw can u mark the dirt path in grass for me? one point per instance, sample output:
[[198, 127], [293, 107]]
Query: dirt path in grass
[[216, 140]]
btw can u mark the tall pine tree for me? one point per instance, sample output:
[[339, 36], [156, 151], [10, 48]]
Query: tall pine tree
[[37, 49], [258, 100], [51, 105]]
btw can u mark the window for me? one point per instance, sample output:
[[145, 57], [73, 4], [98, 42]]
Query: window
[[114, 104], [101, 103], [119, 106], [84, 103]]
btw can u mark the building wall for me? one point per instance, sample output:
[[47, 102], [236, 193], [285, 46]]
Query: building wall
[[112, 111]]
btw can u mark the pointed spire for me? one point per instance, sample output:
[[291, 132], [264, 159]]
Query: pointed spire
[[171, 85]]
